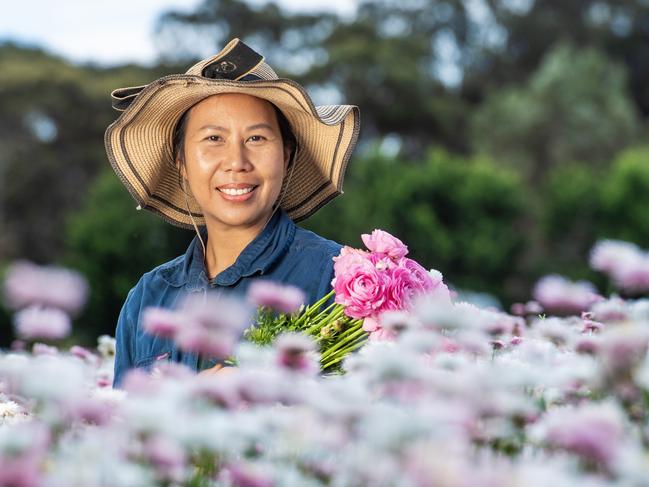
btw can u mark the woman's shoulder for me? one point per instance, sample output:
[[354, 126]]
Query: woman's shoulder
[[168, 273], [306, 240]]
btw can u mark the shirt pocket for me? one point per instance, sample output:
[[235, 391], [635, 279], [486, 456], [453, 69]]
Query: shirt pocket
[[152, 360]]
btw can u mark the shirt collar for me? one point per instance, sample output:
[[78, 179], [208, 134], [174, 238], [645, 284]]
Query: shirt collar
[[257, 257]]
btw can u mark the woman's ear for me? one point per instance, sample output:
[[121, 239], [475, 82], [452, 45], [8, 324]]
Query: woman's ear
[[288, 151], [181, 168]]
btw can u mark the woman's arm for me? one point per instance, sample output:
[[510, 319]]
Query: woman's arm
[[124, 336]]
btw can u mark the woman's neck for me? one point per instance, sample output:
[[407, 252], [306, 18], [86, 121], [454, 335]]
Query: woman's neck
[[225, 244]]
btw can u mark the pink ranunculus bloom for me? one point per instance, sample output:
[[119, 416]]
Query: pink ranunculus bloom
[[382, 242], [381, 262], [359, 286], [37, 322], [402, 287], [417, 281], [28, 284], [371, 324], [387, 325], [383, 335], [348, 258], [280, 297], [376, 332]]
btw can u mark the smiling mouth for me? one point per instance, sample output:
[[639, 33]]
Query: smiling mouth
[[237, 192]]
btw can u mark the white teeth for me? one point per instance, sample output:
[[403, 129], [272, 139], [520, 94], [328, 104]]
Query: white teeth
[[236, 192]]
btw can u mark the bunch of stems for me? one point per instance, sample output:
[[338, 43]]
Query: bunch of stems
[[337, 334]]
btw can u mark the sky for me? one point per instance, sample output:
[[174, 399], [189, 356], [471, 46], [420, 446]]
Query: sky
[[109, 33]]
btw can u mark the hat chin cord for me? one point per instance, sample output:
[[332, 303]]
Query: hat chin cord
[[194, 223], [275, 205]]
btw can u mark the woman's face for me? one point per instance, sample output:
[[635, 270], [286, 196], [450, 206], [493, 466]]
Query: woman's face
[[235, 159]]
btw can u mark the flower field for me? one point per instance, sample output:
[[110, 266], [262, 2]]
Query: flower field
[[554, 393]]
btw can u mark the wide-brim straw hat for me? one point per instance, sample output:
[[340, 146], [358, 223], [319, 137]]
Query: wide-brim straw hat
[[139, 142]]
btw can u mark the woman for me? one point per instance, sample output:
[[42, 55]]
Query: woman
[[232, 149]]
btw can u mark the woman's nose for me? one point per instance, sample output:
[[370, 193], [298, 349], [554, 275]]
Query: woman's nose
[[237, 159]]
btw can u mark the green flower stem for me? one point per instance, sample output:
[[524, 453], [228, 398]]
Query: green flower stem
[[338, 358], [341, 339], [342, 354], [325, 320], [314, 310], [326, 313], [344, 339]]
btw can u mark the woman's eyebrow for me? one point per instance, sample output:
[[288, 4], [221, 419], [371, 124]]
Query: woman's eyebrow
[[251, 127], [260, 126], [214, 127]]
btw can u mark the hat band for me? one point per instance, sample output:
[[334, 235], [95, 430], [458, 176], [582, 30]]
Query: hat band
[[238, 61]]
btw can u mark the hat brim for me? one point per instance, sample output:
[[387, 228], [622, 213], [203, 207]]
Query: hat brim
[[139, 144]]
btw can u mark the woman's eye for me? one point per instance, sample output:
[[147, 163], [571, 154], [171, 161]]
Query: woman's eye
[[214, 138], [256, 138]]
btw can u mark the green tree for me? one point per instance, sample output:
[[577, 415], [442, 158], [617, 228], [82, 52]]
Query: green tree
[[516, 36], [386, 59], [462, 217], [580, 206], [625, 198], [575, 107], [54, 115], [569, 212]]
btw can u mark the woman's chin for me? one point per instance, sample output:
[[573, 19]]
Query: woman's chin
[[240, 217]]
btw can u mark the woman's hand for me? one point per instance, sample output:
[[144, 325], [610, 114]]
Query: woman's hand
[[217, 369]]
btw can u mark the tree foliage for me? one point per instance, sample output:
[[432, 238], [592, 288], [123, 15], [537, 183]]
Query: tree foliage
[[575, 107], [581, 206], [51, 144], [456, 215]]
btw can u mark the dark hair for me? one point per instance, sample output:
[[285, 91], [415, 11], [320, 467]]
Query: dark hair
[[178, 140]]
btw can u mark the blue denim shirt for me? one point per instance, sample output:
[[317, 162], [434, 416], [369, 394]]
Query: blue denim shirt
[[282, 252]]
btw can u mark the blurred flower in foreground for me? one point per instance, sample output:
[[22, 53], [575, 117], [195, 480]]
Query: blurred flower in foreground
[[36, 322], [207, 325], [594, 432], [295, 351], [624, 262], [29, 284], [283, 298], [106, 346], [558, 295], [22, 451]]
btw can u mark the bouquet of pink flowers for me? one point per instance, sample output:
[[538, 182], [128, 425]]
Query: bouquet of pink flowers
[[367, 284]]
